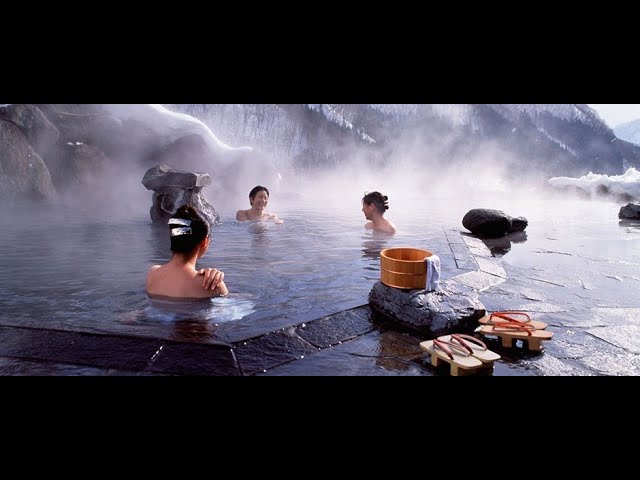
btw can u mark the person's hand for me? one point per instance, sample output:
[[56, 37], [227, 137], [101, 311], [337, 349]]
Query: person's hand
[[212, 277]]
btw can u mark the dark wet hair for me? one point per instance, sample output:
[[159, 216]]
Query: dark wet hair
[[376, 198], [258, 188], [196, 231]]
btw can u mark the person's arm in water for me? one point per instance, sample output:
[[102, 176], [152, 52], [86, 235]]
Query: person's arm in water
[[214, 281], [241, 215], [274, 218]]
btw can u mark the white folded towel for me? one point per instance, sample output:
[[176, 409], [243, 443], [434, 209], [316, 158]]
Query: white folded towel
[[433, 272]]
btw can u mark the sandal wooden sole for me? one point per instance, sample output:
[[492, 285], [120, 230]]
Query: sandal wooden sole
[[477, 348], [533, 338], [460, 365]]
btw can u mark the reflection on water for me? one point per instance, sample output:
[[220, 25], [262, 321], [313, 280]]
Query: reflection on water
[[501, 246], [220, 309], [193, 319], [373, 242], [260, 238], [630, 225], [396, 350]]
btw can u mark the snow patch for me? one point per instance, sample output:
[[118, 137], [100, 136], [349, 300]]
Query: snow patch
[[593, 183], [173, 125]]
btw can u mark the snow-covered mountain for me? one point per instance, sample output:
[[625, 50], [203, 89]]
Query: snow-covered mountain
[[629, 131], [544, 139]]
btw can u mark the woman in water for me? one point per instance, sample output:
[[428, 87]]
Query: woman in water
[[190, 239], [258, 199], [374, 205]]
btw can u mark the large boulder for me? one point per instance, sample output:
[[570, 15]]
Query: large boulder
[[39, 131], [453, 308], [76, 164], [23, 174], [630, 211], [488, 223], [174, 188]]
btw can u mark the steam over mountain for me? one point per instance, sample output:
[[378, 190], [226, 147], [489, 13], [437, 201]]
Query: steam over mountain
[[526, 139], [48, 149]]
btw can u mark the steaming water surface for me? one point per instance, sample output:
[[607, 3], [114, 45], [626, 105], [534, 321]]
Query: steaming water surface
[[63, 268]]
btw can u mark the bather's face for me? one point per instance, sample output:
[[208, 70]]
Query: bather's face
[[261, 200], [367, 209]]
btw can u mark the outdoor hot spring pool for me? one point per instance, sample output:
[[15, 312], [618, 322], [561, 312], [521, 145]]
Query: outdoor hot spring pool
[[66, 268]]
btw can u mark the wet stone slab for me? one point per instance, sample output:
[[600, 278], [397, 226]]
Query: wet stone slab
[[360, 357], [271, 350], [527, 294], [578, 343], [34, 344], [337, 328], [448, 267], [453, 236], [462, 255], [623, 336], [124, 353], [466, 264], [19, 367], [240, 331], [619, 364], [616, 316], [387, 344], [491, 266], [552, 366], [478, 280], [477, 247], [194, 359]]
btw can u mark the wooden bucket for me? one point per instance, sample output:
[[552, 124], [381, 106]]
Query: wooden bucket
[[404, 267]]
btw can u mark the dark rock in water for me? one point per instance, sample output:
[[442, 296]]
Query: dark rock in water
[[162, 176], [518, 224], [487, 223], [173, 189], [630, 211], [453, 308]]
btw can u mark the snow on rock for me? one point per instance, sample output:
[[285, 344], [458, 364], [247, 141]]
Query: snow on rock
[[171, 125], [594, 184]]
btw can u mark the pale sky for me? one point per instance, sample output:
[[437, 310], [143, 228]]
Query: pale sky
[[617, 113]]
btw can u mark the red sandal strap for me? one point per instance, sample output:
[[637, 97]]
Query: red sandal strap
[[447, 348], [461, 337], [506, 315], [520, 327]]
